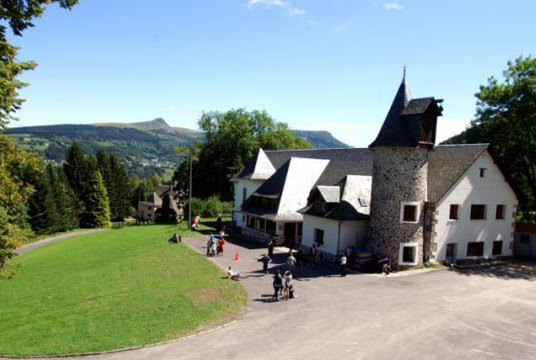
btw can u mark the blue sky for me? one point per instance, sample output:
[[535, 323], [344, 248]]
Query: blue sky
[[315, 64]]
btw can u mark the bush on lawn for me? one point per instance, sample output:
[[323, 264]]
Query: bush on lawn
[[210, 207]]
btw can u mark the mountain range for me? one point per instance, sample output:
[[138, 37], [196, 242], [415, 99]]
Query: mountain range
[[146, 147]]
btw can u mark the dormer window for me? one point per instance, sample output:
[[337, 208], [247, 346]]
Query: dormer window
[[482, 172], [363, 202], [319, 205]]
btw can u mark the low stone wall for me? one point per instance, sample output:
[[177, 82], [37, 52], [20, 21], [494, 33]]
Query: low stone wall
[[256, 236]]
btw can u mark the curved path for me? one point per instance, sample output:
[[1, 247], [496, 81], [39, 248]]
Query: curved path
[[53, 239], [434, 315]]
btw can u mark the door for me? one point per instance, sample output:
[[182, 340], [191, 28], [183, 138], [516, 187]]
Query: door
[[290, 234], [451, 253]]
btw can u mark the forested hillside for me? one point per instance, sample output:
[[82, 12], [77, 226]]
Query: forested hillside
[[145, 147]]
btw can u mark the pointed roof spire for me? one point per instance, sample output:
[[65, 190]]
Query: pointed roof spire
[[401, 100], [258, 167]]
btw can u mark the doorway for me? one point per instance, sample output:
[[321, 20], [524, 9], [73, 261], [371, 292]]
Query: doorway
[[290, 235], [451, 253]]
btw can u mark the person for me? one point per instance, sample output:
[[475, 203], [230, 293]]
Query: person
[[287, 285], [343, 264], [291, 293], [271, 248], [219, 224], [213, 248], [195, 222], [278, 284], [265, 261], [291, 262], [209, 245], [175, 239], [221, 242], [233, 275]]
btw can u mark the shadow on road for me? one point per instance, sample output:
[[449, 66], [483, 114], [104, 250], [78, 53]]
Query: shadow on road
[[514, 269]]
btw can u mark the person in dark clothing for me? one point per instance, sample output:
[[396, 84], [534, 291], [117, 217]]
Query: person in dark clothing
[[219, 224], [278, 285], [343, 261], [271, 248], [265, 261]]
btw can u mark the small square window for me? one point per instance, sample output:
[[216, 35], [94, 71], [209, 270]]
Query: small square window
[[482, 172], [475, 249], [497, 248], [478, 212], [319, 236], [409, 212], [363, 202], [499, 212], [454, 212], [408, 254]]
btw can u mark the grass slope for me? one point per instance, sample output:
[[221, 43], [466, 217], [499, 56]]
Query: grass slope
[[111, 290]]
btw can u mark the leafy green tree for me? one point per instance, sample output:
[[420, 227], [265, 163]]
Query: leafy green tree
[[19, 15], [19, 170], [231, 140], [97, 207], [506, 117]]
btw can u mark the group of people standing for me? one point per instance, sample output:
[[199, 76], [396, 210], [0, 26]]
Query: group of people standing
[[215, 246]]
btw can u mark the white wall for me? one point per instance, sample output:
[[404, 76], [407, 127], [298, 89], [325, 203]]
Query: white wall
[[239, 184], [331, 232], [353, 233], [490, 190]]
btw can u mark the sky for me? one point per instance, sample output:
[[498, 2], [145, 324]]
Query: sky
[[315, 64]]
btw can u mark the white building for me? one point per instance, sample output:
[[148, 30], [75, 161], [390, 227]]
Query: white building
[[453, 203]]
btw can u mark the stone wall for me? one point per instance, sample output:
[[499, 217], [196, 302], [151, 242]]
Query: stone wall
[[255, 235], [398, 175]]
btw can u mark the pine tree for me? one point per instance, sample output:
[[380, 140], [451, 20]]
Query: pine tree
[[76, 169], [97, 207], [43, 213], [66, 203]]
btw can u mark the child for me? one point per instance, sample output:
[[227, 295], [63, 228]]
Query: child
[[233, 275], [265, 261]]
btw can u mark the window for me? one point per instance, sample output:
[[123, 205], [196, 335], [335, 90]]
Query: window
[[408, 254], [478, 212], [475, 249], [482, 172], [363, 202], [499, 212], [319, 205], [497, 248], [270, 227], [243, 218], [409, 212], [454, 210], [244, 194], [251, 222], [300, 229], [524, 239], [319, 236], [260, 224]]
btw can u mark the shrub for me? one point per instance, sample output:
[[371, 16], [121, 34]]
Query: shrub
[[210, 207]]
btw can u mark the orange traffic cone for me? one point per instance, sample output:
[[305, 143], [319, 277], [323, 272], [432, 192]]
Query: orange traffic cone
[[237, 256]]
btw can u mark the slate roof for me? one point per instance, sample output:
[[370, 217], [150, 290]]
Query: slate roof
[[355, 161], [330, 194], [352, 188], [258, 167], [447, 163], [273, 187], [402, 125]]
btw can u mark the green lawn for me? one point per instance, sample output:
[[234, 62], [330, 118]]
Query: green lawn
[[111, 290]]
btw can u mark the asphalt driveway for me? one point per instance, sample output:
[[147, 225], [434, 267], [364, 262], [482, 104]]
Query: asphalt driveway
[[434, 315]]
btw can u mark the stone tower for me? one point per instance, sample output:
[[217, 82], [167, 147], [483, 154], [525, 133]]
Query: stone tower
[[399, 178]]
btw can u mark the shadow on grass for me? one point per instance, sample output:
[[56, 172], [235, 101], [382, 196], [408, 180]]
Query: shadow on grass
[[512, 269]]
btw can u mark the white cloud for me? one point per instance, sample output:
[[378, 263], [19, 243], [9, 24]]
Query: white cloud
[[392, 6], [344, 27], [291, 10]]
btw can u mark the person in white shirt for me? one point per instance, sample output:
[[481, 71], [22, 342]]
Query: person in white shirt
[[233, 275], [343, 265]]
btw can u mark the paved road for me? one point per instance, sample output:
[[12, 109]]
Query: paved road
[[53, 239], [434, 315]]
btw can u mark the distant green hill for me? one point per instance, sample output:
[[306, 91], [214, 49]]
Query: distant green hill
[[146, 147]]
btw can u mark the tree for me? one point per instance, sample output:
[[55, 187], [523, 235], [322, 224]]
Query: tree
[[77, 169], [231, 139], [506, 117], [117, 183], [19, 15], [97, 207], [19, 170]]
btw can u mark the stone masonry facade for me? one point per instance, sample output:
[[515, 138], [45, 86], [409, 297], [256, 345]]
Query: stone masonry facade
[[399, 175]]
